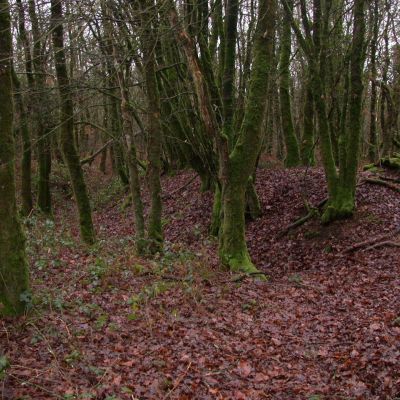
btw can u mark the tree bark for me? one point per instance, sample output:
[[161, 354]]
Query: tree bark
[[292, 146], [242, 160], [149, 20], [14, 280], [41, 104], [67, 127]]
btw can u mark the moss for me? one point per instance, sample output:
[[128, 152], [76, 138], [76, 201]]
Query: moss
[[14, 279], [232, 247], [292, 146], [14, 283], [391, 162], [370, 167], [155, 231], [70, 153], [253, 206], [216, 212], [340, 207]]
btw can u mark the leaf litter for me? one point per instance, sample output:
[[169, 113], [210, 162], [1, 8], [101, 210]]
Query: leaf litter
[[106, 324]]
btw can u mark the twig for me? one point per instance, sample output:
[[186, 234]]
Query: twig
[[387, 178], [178, 382]]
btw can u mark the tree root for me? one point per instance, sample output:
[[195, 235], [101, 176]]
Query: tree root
[[242, 277], [379, 241]]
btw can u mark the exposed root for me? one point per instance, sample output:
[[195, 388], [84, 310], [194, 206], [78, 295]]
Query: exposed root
[[257, 275]]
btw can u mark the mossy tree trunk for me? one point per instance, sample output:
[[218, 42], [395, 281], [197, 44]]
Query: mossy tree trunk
[[236, 165], [341, 184], [242, 160], [342, 201], [26, 167], [307, 143], [385, 96], [14, 281], [373, 140], [149, 41], [292, 146], [26, 161], [41, 106], [67, 127]]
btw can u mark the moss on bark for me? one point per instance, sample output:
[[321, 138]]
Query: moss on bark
[[14, 280], [292, 146], [242, 160], [67, 128], [149, 26]]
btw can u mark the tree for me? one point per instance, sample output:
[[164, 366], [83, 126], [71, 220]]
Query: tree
[[237, 163], [292, 146], [67, 127], [26, 167], [41, 105], [341, 184], [14, 282]]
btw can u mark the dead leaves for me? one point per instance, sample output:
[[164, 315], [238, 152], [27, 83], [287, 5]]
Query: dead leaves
[[325, 325]]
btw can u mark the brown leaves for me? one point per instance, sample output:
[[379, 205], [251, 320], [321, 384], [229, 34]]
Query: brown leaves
[[325, 325], [244, 369]]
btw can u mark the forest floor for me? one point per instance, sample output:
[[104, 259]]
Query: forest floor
[[105, 324]]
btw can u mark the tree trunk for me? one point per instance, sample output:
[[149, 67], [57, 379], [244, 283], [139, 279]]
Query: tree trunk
[[14, 281], [154, 230], [67, 128], [342, 203], [292, 147], [26, 170], [41, 104], [307, 145], [373, 142], [242, 160]]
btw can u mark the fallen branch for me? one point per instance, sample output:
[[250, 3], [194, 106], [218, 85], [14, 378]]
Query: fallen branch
[[169, 195], [389, 179], [370, 243], [90, 159], [388, 243], [302, 220], [381, 182]]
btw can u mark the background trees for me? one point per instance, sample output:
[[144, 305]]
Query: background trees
[[211, 86]]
